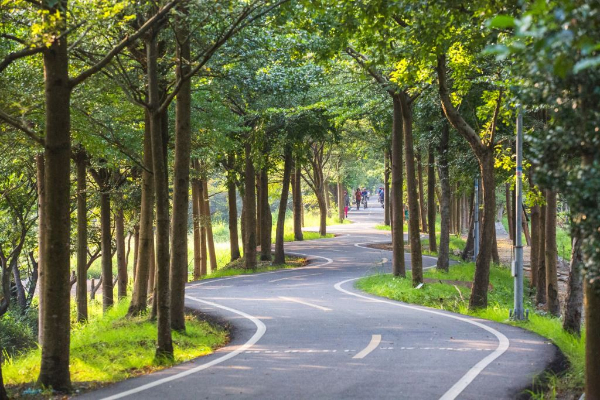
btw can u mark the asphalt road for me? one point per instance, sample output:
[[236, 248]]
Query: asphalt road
[[308, 334]]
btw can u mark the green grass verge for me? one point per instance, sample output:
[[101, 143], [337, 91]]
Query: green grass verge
[[500, 300], [237, 267], [111, 348]]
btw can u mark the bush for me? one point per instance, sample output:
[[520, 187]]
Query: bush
[[18, 331]]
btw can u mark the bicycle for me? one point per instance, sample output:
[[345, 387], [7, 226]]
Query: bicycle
[[364, 202]]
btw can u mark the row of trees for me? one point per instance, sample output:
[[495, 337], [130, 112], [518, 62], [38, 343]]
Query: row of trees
[[271, 92]]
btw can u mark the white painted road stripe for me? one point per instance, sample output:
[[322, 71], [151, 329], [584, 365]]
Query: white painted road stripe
[[463, 382], [260, 331], [375, 340], [305, 303]]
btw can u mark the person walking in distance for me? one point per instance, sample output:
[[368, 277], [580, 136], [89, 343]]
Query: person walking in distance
[[358, 197], [346, 203]]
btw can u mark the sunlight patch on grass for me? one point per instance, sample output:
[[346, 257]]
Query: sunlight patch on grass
[[111, 348]]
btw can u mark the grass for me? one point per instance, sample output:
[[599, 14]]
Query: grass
[[111, 348], [237, 268], [500, 300]]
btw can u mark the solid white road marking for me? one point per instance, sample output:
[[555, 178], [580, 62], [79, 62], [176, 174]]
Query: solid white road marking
[[260, 331], [463, 382], [305, 303], [375, 340]]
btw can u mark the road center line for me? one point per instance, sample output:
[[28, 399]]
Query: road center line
[[467, 378], [375, 340], [305, 303], [260, 331]]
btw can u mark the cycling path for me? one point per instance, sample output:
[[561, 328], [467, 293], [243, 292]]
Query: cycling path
[[307, 333]]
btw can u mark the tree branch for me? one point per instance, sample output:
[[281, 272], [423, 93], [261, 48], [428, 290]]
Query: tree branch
[[17, 125]]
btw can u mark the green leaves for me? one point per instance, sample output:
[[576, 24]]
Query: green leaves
[[501, 22]]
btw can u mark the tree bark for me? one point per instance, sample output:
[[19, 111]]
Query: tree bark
[[266, 219], [386, 189], [297, 201], [540, 297], [234, 244], [81, 290], [287, 171], [535, 244], [416, 259], [196, 227], [56, 324], [482, 264], [574, 301], [467, 253], [210, 241], [41, 192], [258, 210], [423, 207], [121, 255], [443, 261], [340, 199], [164, 347], [106, 240], [592, 344], [509, 214], [398, 267], [431, 212], [249, 208], [145, 255], [552, 302], [181, 179]]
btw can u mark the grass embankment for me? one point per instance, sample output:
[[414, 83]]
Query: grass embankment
[[237, 267], [500, 299], [111, 348]]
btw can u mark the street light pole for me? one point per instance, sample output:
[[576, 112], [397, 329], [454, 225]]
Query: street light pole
[[518, 262]]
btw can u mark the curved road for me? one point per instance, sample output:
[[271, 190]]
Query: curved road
[[308, 334]]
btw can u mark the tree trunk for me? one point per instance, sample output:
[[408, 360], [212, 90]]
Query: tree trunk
[[431, 213], [592, 344], [249, 208], [210, 241], [164, 347], [525, 225], [495, 255], [482, 264], [467, 253], [398, 267], [106, 245], [56, 324], [574, 301], [145, 254], [258, 210], [136, 246], [535, 244], [540, 297], [287, 171], [234, 244], [416, 260], [423, 207], [81, 290], [297, 201], [196, 227], [203, 230], [386, 189], [322, 202], [121, 255], [41, 191], [443, 260], [552, 302], [181, 180], [509, 214], [266, 219], [340, 200]]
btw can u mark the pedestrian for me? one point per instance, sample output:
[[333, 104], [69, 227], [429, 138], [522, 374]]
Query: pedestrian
[[358, 196], [346, 203]]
